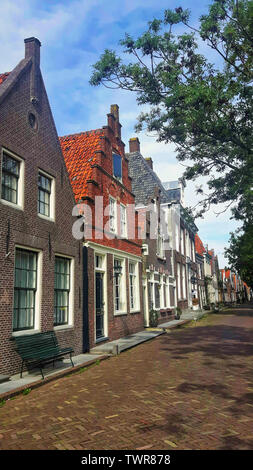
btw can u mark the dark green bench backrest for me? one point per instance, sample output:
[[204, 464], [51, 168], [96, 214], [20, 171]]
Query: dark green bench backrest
[[37, 345]]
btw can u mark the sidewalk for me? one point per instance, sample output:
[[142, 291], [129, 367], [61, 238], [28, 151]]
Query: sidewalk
[[33, 378]]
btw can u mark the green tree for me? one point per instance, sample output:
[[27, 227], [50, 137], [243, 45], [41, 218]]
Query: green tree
[[240, 253], [205, 110]]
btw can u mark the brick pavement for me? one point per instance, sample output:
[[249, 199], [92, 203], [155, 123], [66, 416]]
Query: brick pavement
[[189, 389]]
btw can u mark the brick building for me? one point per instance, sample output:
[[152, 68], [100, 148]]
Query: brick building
[[40, 261], [182, 230], [158, 275], [98, 171], [200, 253]]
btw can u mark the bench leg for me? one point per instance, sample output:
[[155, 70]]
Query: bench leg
[[41, 372], [71, 360]]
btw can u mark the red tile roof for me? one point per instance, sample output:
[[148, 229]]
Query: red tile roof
[[3, 76], [227, 273], [200, 249], [79, 154]]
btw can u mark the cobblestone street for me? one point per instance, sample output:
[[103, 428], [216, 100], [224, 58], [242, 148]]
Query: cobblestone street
[[191, 388]]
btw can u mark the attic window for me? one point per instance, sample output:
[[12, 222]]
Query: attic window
[[117, 166], [33, 121]]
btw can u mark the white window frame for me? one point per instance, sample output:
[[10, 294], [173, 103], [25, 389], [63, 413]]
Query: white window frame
[[136, 288], [177, 237], [179, 294], [122, 284], [51, 199], [184, 281], [38, 296], [70, 323], [167, 288], [112, 214], [102, 269], [151, 281], [21, 181], [123, 221], [182, 240]]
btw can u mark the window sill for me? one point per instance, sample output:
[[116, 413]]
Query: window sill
[[50, 219], [25, 332], [118, 314], [12, 204], [100, 340], [63, 327], [135, 311]]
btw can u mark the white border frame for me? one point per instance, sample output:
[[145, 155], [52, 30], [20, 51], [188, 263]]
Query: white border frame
[[102, 253], [71, 292], [51, 217], [38, 296]]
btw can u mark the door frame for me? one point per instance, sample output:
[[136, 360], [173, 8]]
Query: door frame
[[103, 270]]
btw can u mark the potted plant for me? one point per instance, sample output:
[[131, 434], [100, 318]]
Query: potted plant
[[178, 313], [153, 318], [195, 303]]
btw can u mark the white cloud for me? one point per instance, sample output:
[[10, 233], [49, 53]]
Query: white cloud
[[76, 105]]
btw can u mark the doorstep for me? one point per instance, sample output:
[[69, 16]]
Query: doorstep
[[173, 324], [15, 385], [117, 346]]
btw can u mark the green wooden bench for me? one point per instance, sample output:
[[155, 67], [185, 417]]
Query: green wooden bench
[[39, 349]]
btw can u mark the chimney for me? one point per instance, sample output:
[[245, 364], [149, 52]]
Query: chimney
[[134, 145], [32, 49], [115, 111], [149, 162], [117, 126]]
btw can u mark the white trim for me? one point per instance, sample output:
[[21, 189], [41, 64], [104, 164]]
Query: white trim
[[38, 295], [123, 235], [115, 218], [112, 251], [123, 296], [51, 217], [137, 287], [71, 292], [104, 271]]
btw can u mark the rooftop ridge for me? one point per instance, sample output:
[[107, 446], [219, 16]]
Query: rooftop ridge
[[90, 132]]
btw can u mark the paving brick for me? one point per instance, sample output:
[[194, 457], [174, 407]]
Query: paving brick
[[126, 403]]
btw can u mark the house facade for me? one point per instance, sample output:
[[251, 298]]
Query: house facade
[[182, 232], [41, 262], [232, 288], [200, 253], [159, 287], [98, 171]]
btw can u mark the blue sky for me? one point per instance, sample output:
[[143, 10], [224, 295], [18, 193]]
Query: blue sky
[[73, 35]]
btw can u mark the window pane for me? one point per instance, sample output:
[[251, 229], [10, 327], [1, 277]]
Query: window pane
[[10, 164], [117, 166], [44, 191], [62, 288], [24, 289]]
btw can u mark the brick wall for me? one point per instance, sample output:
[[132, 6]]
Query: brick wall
[[40, 150]]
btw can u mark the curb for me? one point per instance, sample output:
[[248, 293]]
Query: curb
[[39, 383], [72, 370]]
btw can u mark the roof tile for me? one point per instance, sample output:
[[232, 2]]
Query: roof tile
[[79, 154]]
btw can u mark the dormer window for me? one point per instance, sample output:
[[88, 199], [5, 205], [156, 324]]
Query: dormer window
[[117, 166]]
